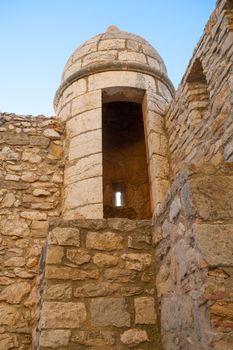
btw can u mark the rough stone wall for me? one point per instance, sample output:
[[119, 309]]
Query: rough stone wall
[[98, 287], [193, 239], [199, 121], [30, 187]]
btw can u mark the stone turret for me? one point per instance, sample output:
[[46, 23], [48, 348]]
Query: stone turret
[[114, 84]]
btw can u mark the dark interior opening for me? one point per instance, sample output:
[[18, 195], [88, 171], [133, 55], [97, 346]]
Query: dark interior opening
[[126, 192]]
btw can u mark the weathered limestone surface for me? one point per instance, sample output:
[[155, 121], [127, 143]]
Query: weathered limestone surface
[[30, 189], [193, 247], [70, 279], [100, 294]]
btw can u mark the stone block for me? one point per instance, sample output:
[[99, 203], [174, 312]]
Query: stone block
[[85, 144], [63, 315], [79, 87], [14, 226], [139, 240], [107, 241], [86, 102], [100, 56], [132, 56], [90, 211], [78, 256], [120, 275], [105, 260], [51, 134], [109, 312], [159, 166], [84, 122], [215, 243], [137, 261], [84, 50], [14, 293], [93, 338], [117, 79], [15, 262], [85, 168], [54, 255], [9, 314], [55, 338], [222, 314], [156, 103], [8, 154], [84, 193], [134, 337], [65, 236], [109, 44], [58, 291], [99, 289], [33, 215], [144, 310], [210, 197], [69, 273], [16, 139], [40, 141], [153, 63]]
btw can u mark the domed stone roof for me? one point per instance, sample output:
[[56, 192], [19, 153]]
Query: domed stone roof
[[114, 49]]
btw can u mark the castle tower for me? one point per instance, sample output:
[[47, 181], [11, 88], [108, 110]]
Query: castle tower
[[113, 96]]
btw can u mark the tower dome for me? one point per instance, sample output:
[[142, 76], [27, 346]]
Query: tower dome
[[113, 50]]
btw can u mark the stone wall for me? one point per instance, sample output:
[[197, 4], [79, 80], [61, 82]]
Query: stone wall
[[199, 121], [31, 175], [98, 287], [193, 239]]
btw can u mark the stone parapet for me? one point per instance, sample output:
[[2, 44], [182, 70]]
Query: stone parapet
[[98, 287]]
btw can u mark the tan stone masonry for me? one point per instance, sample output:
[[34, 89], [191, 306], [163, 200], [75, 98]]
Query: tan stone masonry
[[74, 275]]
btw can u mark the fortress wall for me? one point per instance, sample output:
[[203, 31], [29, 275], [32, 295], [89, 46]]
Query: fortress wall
[[199, 120], [193, 240], [31, 176], [98, 286]]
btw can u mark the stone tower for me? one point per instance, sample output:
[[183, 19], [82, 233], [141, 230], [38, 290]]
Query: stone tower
[[113, 96], [116, 216]]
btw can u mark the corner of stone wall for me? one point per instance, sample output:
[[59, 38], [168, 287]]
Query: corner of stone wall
[[193, 235]]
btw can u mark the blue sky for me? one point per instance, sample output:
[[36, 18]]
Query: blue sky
[[38, 36]]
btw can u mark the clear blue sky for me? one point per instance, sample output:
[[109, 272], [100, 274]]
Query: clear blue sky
[[38, 36]]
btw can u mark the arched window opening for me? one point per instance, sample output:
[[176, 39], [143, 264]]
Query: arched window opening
[[197, 96]]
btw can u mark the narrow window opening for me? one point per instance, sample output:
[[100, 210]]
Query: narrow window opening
[[198, 96], [126, 191], [118, 190], [118, 199]]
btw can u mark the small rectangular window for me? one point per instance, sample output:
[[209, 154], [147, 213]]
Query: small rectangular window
[[118, 194], [118, 199]]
